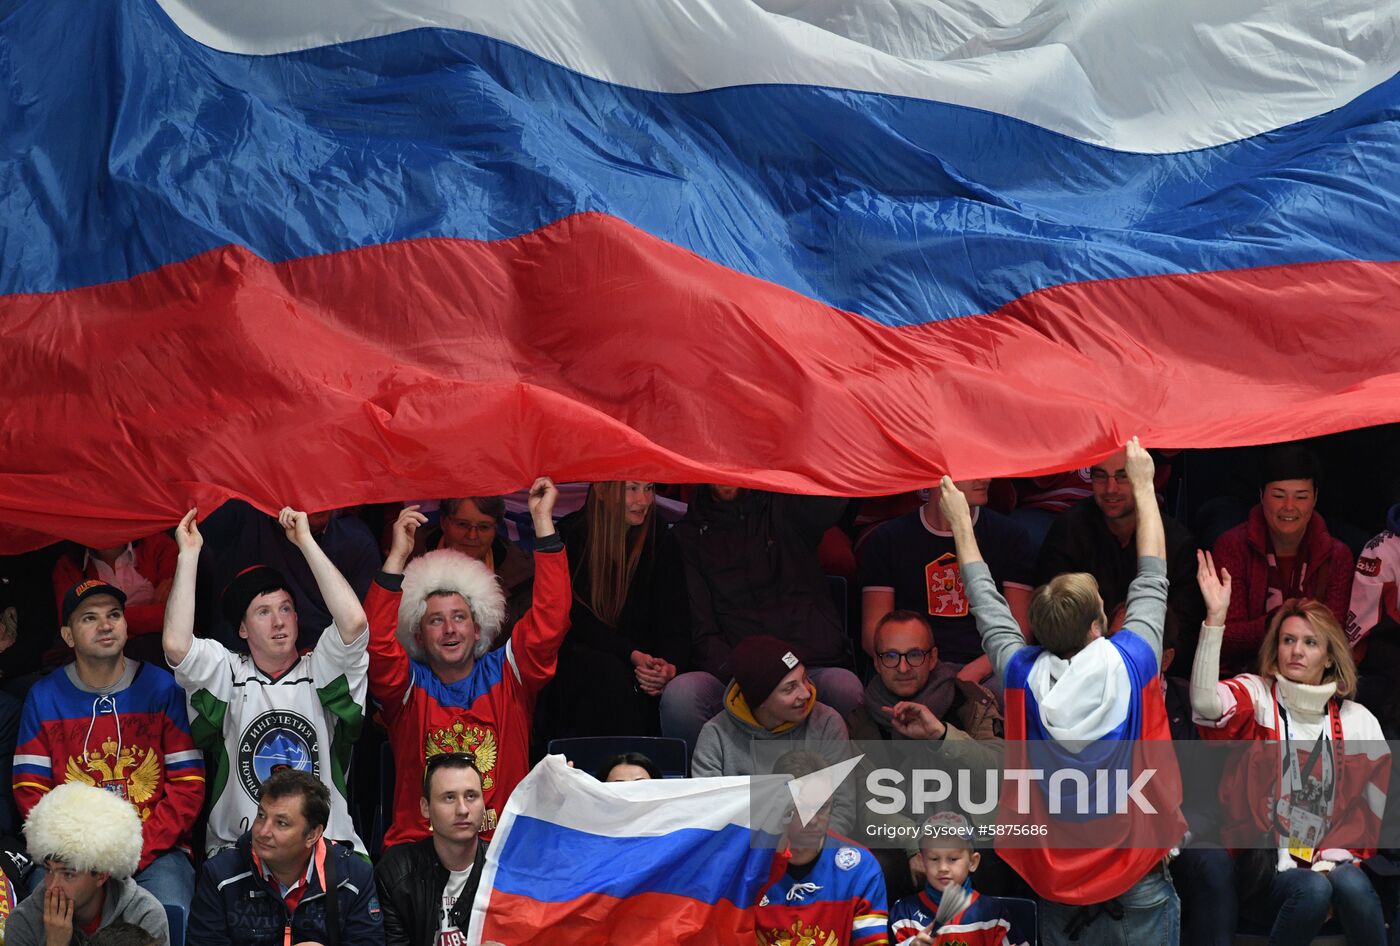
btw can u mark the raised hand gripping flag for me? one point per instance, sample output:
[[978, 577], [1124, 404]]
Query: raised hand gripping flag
[[343, 251], [668, 861]]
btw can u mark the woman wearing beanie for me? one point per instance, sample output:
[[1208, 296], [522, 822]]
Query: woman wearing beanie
[[772, 701]]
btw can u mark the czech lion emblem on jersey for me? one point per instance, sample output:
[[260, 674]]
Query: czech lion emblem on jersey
[[945, 588], [127, 771]]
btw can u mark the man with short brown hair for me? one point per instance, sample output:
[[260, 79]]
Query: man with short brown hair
[[284, 882], [428, 885]]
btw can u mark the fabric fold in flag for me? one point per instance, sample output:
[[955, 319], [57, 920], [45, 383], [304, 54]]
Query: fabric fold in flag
[[666, 861], [354, 252]]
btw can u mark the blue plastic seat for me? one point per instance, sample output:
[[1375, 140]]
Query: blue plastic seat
[[175, 917], [671, 756], [1025, 918]]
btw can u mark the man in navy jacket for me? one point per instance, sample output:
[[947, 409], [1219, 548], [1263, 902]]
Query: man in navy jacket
[[270, 889]]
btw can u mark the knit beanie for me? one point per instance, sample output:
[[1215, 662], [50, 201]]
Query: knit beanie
[[759, 665]]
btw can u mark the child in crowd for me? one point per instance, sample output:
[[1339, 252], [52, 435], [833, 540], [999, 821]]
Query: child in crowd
[[948, 909]]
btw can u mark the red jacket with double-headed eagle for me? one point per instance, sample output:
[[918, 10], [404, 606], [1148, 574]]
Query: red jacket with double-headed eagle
[[486, 713], [131, 739]]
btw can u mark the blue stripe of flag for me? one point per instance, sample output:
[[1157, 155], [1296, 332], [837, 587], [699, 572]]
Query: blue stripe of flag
[[552, 863], [899, 209]]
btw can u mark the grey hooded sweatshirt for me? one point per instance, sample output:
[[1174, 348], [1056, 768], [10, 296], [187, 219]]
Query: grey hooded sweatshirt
[[725, 746], [124, 901]]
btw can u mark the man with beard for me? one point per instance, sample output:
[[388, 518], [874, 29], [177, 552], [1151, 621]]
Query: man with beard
[[1098, 535]]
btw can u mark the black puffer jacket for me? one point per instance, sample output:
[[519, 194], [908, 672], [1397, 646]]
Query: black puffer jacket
[[751, 568], [411, 880]]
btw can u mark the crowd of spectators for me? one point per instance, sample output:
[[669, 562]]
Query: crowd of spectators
[[240, 683]]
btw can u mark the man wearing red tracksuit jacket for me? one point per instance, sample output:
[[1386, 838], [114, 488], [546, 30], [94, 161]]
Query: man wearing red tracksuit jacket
[[432, 669], [121, 725]]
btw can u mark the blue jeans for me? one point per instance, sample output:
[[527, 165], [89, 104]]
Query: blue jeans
[[692, 699], [1205, 882], [1301, 899], [1151, 917], [170, 879]]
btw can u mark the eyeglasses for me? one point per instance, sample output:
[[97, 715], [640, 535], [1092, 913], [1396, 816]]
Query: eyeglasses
[[474, 528], [1103, 476], [441, 758], [915, 658]]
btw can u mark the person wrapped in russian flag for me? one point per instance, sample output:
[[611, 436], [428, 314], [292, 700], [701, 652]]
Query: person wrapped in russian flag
[[1086, 703]]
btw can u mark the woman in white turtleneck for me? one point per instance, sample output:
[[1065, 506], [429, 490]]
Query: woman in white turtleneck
[[1300, 694]]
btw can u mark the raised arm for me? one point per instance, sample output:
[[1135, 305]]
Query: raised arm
[[955, 509], [389, 669], [543, 495], [1205, 672], [1001, 635], [533, 649], [178, 634], [1151, 536], [1145, 611], [341, 600], [405, 531]]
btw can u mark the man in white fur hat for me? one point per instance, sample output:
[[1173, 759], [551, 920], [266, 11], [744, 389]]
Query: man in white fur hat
[[431, 666], [89, 843]]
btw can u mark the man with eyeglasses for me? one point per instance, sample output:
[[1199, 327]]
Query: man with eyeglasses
[[912, 696], [427, 887], [1098, 535]]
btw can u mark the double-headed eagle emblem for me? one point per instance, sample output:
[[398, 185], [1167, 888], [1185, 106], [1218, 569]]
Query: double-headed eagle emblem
[[128, 771]]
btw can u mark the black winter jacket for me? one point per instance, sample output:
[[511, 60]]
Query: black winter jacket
[[751, 568], [234, 906], [411, 881]]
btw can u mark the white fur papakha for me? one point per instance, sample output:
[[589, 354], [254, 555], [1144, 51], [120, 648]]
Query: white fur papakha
[[87, 828], [451, 572]]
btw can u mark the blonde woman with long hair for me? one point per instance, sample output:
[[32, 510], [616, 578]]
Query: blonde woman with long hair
[[1316, 790]]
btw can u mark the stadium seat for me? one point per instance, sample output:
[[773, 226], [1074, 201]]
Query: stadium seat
[[1025, 917], [671, 756], [175, 917], [1250, 933]]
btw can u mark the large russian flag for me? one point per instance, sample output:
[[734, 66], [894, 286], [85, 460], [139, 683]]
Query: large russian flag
[[350, 251], [674, 861]]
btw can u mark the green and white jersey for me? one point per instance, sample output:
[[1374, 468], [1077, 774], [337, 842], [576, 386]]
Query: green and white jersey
[[248, 723]]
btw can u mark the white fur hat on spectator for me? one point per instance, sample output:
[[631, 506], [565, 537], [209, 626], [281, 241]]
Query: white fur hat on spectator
[[447, 571], [87, 828]]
